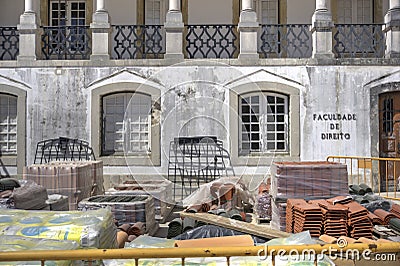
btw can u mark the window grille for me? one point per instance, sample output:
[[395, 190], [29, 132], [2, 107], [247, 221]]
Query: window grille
[[126, 123], [8, 124], [264, 122]]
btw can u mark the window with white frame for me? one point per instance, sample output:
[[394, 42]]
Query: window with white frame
[[355, 11], [264, 122], [267, 11], [8, 124], [155, 12], [67, 12], [126, 123]]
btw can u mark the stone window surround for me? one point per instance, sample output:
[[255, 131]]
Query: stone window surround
[[19, 159], [266, 158], [152, 159]]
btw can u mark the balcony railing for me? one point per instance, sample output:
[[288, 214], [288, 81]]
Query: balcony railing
[[137, 41], [211, 41], [66, 42], [285, 41], [359, 40], [9, 43], [200, 41]]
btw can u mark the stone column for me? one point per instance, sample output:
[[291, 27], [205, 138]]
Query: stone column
[[174, 32], [100, 27], [29, 34], [248, 27], [28, 6], [392, 30], [321, 30]]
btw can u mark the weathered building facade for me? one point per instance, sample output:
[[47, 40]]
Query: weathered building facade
[[273, 80]]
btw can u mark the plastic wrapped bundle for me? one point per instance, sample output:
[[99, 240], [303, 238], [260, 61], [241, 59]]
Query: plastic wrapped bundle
[[160, 190], [308, 180], [91, 229], [19, 243], [126, 209], [263, 206]]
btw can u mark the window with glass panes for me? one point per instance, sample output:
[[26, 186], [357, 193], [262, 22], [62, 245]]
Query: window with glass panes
[[264, 122], [8, 124], [126, 123], [154, 12], [267, 11], [67, 12], [355, 11]]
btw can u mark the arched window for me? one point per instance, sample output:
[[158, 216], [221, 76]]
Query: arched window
[[126, 123], [263, 122], [8, 124]]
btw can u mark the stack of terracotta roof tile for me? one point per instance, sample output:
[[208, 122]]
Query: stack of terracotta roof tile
[[289, 213], [358, 221], [340, 199], [395, 210], [374, 219], [307, 217], [384, 216], [334, 219]]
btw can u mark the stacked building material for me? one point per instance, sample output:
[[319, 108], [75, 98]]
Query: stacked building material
[[71, 179], [160, 190], [340, 199], [334, 218], [307, 217], [394, 223], [305, 180], [96, 174], [290, 211], [308, 180], [375, 220], [279, 215], [384, 216], [358, 221], [126, 209], [395, 210], [92, 229]]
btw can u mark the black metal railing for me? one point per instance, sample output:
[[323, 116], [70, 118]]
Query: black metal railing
[[138, 41], [359, 40], [66, 42], [9, 43], [211, 41], [285, 41]]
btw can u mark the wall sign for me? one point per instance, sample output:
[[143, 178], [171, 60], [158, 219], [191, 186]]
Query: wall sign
[[334, 121]]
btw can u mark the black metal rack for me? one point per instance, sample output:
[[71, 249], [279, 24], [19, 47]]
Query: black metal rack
[[197, 160], [63, 149]]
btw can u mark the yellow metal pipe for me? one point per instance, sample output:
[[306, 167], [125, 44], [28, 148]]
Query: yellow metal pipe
[[82, 254]]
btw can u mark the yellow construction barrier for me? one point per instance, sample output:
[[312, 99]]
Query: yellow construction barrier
[[228, 252], [371, 171]]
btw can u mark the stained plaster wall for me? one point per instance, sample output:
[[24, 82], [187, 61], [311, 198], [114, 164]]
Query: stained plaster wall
[[195, 101]]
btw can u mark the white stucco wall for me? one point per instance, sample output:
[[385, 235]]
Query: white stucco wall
[[10, 11], [300, 12], [122, 12], [195, 102], [210, 12]]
